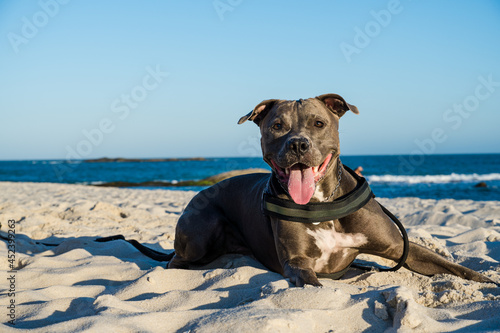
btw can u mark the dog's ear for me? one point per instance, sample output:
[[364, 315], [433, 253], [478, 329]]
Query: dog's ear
[[258, 112], [337, 104]]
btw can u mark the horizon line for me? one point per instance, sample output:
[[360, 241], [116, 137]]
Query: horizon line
[[217, 157]]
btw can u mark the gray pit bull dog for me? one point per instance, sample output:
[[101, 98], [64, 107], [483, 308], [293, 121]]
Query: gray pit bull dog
[[300, 141]]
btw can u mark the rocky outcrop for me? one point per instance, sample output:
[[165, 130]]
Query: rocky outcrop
[[209, 181], [120, 159]]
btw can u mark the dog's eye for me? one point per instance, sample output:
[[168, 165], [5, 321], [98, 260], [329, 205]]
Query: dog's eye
[[277, 126], [319, 124]]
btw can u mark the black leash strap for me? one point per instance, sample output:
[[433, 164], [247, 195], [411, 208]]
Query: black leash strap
[[406, 242], [153, 254], [406, 245], [401, 262]]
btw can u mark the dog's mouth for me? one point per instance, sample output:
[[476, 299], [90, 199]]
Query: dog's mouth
[[301, 179]]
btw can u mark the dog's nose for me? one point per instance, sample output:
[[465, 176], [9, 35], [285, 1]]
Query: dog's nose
[[298, 145]]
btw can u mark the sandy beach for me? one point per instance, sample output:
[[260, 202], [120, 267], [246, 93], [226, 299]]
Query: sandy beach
[[82, 285]]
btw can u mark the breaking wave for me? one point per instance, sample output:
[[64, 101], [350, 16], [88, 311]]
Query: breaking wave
[[433, 179]]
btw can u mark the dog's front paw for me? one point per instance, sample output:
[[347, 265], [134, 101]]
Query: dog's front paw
[[300, 277]]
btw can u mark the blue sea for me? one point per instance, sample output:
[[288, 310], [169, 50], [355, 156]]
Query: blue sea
[[423, 176]]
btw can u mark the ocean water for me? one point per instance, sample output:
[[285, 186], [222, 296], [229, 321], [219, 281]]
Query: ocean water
[[428, 177]]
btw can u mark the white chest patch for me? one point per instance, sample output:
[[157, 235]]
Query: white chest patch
[[318, 194], [330, 242]]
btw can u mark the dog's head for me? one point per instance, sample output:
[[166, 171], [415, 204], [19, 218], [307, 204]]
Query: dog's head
[[300, 139]]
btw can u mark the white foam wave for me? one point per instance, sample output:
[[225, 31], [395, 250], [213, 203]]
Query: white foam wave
[[96, 182], [433, 179]]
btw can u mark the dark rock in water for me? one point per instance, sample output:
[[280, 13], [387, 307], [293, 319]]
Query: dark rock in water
[[481, 184], [111, 160], [203, 182]]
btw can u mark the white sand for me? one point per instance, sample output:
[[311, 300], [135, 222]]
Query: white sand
[[82, 285]]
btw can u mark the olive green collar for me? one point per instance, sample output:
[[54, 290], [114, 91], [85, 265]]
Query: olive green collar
[[320, 211]]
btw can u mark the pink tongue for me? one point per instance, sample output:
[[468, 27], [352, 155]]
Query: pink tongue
[[301, 184]]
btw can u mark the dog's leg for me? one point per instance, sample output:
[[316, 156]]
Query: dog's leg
[[300, 276], [199, 235], [296, 264], [427, 262], [385, 241]]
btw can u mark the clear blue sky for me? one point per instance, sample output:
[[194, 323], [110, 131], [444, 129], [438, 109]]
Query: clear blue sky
[[413, 68]]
